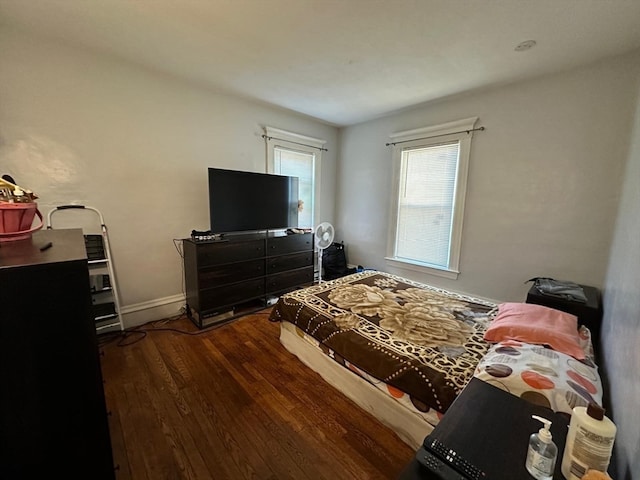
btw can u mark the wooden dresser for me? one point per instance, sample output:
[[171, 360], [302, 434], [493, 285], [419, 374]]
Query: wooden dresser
[[223, 277]]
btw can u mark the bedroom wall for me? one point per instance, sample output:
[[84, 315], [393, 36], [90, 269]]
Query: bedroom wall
[[621, 326], [543, 187], [79, 127]]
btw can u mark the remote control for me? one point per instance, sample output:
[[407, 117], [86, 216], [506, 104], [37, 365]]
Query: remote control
[[452, 458], [434, 465], [205, 236]]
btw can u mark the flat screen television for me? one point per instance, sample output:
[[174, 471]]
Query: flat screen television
[[248, 201]]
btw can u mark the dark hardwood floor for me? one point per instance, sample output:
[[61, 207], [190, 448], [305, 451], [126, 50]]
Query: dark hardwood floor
[[232, 403]]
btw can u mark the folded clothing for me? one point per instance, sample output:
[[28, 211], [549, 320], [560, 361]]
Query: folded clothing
[[536, 324]]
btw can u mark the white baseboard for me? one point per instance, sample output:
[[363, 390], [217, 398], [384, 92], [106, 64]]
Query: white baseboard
[[157, 309]]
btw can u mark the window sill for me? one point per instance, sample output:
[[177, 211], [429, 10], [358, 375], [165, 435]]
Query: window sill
[[422, 268]]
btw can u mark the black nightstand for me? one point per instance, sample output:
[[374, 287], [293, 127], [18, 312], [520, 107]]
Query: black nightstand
[[490, 428], [589, 314]]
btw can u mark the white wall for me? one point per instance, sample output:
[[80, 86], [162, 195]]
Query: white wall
[[76, 127], [543, 187], [621, 325]]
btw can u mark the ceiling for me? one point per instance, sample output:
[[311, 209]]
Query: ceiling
[[340, 61]]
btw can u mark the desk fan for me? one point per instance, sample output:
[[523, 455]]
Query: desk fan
[[324, 238]]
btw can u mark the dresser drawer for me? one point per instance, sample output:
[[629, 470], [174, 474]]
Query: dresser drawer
[[289, 262], [215, 298], [289, 244], [217, 253], [287, 280], [215, 276]]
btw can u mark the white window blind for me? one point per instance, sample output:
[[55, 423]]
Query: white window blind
[[302, 165], [426, 203]]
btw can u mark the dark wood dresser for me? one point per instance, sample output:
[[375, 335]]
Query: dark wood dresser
[[222, 277], [53, 419]]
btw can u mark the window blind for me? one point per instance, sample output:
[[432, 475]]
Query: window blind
[[426, 203]]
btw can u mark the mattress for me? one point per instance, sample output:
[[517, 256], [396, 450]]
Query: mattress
[[391, 407], [404, 351]]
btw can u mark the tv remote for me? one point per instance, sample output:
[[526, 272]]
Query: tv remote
[[452, 458], [434, 465], [204, 236]]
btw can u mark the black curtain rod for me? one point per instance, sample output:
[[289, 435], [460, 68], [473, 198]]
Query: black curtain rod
[[479, 129], [289, 141]]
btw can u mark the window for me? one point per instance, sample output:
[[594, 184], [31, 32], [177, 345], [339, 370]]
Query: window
[[297, 156], [301, 165], [430, 175]]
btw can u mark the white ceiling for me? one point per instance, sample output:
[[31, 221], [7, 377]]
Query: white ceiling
[[341, 61]]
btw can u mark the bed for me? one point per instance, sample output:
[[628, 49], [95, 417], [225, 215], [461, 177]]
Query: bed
[[404, 350]]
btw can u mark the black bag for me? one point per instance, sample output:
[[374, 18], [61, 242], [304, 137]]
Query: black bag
[[559, 289], [334, 262]]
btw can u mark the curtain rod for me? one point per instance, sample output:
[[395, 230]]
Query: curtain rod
[[479, 129], [289, 141]]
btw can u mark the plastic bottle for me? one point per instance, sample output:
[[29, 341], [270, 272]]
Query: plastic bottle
[[542, 452], [19, 196], [589, 442]]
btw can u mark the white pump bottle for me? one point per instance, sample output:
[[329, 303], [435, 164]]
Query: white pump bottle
[[542, 452]]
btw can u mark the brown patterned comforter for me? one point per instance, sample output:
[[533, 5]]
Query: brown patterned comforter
[[422, 340]]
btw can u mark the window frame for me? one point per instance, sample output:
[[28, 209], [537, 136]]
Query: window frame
[[284, 139], [462, 132]]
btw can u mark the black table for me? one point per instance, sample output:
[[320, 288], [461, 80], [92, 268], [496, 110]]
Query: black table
[[490, 428]]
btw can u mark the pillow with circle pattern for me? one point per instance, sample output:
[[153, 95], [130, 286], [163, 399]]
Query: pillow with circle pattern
[[538, 325]]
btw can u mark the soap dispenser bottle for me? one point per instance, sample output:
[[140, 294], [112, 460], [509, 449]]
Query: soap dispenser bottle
[[542, 453]]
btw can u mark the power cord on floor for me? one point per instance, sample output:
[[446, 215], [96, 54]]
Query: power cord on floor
[[141, 331]]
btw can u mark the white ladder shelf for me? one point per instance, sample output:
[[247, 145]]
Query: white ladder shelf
[[104, 292]]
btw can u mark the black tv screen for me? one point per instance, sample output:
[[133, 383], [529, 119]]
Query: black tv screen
[[247, 201]]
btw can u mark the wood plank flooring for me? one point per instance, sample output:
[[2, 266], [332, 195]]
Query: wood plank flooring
[[232, 403]]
